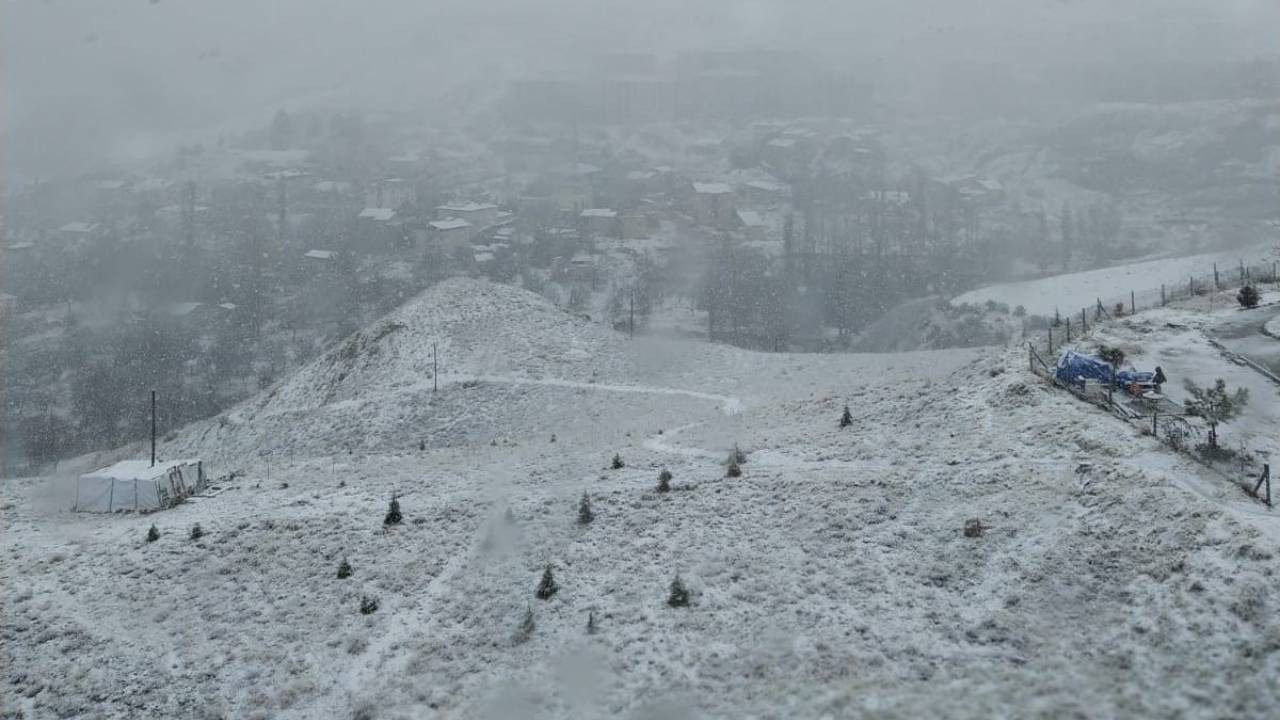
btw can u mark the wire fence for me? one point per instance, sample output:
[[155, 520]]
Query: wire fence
[[1155, 415]]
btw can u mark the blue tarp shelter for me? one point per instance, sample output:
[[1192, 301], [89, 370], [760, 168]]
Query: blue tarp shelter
[[1074, 368]]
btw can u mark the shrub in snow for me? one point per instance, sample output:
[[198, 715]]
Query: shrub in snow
[[591, 623], [368, 605], [1248, 296], [1019, 311], [197, 532], [553, 437], [585, 516], [547, 586], [153, 534], [1057, 318], [1112, 355], [679, 596], [617, 463], [664, 481], [525, 631], [393, 513], [733, 470], [973, 528], [846, 419], [1118, 310], [344, 569], [1214, 404], [738, 456]]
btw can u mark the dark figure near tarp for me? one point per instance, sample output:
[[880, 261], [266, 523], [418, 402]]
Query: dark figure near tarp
[[1159, 378]]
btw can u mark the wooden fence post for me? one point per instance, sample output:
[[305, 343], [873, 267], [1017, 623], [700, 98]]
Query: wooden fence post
[[1084, 324], [1133, 305], [1162, 295], [1068, 328], [1050, 340], [1216, 286]]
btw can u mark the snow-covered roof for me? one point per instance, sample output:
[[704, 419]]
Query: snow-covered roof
[[21, 246], [641, 174], [77, 227], [599, 213], [765, 185], [109, 184], [183, 309], [466, 207], [319, 254], [751, 218], [227, 306], [713, 188], [450, 224], [331, 186], [484, 257], [379, 214], [782, 142], [139, 469]]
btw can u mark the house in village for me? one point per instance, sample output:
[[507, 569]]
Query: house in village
[[448, 236], [389, 193], [712, 204], [478, 215], [752, 224], [600, 221]]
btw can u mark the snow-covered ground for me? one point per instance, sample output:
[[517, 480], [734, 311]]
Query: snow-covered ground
[[832, 579], [1072, 291]]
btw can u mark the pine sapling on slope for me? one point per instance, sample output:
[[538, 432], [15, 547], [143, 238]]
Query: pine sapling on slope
[[197, 532], [679, 596], [847, 418], [1248, 296], [664, 481], [734, 470], [617, 463], [344, 569], [525, 631], [368, 605], [1215, 405], [393, 513], [547, 586], [585, 516], [153, 534]]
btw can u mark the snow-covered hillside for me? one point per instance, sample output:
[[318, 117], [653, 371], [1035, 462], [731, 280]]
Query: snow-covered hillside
[[832, 579]]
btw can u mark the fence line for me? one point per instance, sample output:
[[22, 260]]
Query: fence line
[[1169, 428]]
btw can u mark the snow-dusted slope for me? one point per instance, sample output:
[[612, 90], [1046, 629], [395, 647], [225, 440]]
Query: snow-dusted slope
[[832, 579]]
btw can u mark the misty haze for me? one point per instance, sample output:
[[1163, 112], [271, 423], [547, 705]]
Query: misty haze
[[593, 359]]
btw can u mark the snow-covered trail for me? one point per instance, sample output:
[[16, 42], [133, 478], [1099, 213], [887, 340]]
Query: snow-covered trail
[[729, 405]]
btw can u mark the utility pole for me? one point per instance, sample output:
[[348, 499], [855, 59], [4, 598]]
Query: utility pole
[[153, 428], [632, 326], [435, 369]]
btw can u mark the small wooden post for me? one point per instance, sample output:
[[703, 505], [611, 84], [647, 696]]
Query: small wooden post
[[1084, 323], [1050, 352], [1031, 357], [1162, 301], [1155, 426], [435, 369], [1242, 276], [1216, 286], [1191, 286], [153, 428], [631, 327], [1068, 328], [1133, 304]]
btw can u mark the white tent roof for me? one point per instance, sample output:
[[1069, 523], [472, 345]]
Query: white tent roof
[[138, 469]]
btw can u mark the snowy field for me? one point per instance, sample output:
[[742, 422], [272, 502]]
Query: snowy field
[[1070, 292], [832, 579]]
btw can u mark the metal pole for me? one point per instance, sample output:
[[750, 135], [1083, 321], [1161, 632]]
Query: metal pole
[[435, 369], [631, 333], [1155, 427], [153, 428]]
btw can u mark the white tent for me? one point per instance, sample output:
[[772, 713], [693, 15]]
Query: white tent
[[139, 485]]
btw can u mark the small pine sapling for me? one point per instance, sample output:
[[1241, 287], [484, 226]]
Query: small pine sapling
[[547, 586], [368, 605], [585, 516], [1214, 404], [734, 470], [393, 513], [664, 481], [617, 463], [1248, 296], [153, 534], [344, 569], [738, 456], [197, 532], [846, 419], [679, 596], [591, 623], [525, 631]]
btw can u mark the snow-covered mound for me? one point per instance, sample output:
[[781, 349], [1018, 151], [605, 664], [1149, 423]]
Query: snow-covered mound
[[377, 387]]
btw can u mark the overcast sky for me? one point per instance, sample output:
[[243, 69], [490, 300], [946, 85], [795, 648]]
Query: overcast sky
[[118, 74]]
